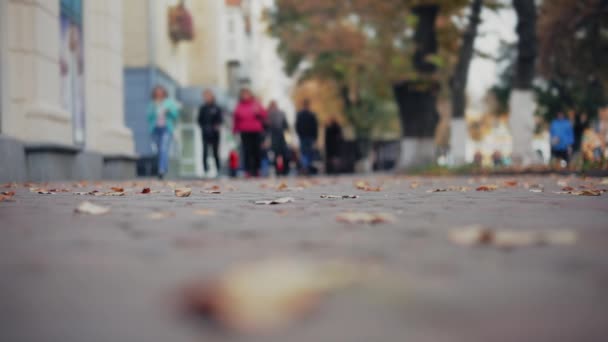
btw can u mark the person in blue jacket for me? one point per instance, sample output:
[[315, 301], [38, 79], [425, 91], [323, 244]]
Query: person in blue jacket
[[162, 117], [562, 137]]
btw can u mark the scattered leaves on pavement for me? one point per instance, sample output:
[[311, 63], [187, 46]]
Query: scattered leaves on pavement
[[91, 209], [183, 192], [509, 239], [265, 296], [364, 217], [281, 200]]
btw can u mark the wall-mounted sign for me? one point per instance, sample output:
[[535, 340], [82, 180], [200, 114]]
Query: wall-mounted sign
[[72, 66]]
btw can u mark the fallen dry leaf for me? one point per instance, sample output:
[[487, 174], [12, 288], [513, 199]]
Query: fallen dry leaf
[[471, 235], [281, 200], [92, 209], [266, 296], [183, 192], [510, 183], [282, 186], [117, 189], [436, 190], [587, 193], [568, 188], [115, 193], [160, 215], [338, 196], [414, 185], [205, 212], [7, 196], [146, 191], [211, 192], [488, 187], [363, 217], [536, 190]]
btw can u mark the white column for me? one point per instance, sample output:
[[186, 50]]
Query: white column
[[416, 152], [522, 104], [34, 113], [106, 131], [458, 141]]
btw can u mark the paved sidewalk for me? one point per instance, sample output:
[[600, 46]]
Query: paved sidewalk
[[67, 277]]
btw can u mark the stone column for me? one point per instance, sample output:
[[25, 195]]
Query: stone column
[[105, 128], [33, 112]]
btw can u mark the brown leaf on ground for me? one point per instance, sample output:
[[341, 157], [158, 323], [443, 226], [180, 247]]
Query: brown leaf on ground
[[160, 215], [117, 189], [281, 200], [41, 191], [365, 186], [91, 209], [9, 185], [414, 185], [588, 192], [510, 183], [146, 191], [266, 296], [487, 187], [568, 188], [183, 192], [205, 212], [115, 193], [471, 235], [364, 217], [7, 196], [339, 196], [55, 190], [437, 190]]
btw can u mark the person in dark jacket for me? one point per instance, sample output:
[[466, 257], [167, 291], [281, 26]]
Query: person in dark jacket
[[210, 120], [277, 125], [307, 130], [581, 123], [333, 146]]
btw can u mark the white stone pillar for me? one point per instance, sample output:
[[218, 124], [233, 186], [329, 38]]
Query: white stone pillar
[[34, 112], [458, 141], [416, 152], [522, 105], [105, 128]]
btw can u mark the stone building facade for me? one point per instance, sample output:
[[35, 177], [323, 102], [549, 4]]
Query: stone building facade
[[61, 104]]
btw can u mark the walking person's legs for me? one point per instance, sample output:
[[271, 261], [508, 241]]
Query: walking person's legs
[[216, 154], [163, 144], [205, 155]]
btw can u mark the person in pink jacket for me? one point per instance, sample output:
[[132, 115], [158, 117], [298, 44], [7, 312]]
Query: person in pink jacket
[[249, 120]]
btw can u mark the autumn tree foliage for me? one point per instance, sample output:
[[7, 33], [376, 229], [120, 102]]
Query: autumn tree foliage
[[366, 46]]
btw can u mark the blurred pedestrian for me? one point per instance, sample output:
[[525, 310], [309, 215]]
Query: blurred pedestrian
[[210, 120], [581, 123], [307, 130], [249, 118], [277, 126], [162, 117], [562, 138], [333, 147]]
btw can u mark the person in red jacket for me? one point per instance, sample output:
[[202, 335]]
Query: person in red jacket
[[249, 119]]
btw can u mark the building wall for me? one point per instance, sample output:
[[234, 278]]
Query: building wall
[[32, 110], [136, 32]]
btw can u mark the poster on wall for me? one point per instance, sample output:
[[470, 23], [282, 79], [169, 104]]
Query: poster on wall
[[72, 66]]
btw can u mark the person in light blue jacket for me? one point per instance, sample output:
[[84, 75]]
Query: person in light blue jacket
[[162, 117], [562, 137]]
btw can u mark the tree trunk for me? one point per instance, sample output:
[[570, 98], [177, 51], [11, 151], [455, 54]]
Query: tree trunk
[[522, 102], [458, 85], [417, 99]]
